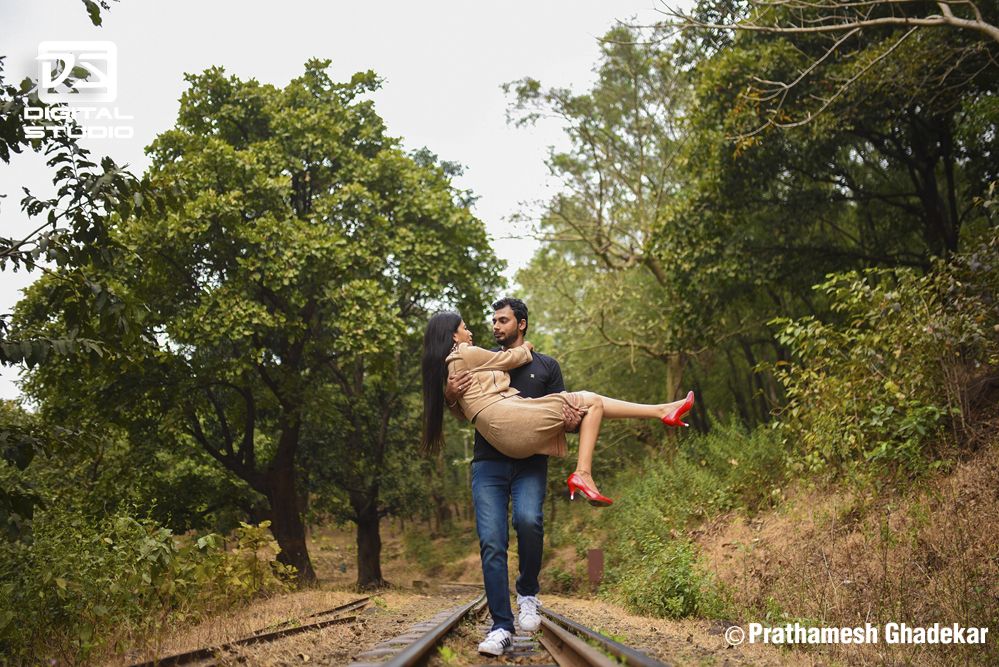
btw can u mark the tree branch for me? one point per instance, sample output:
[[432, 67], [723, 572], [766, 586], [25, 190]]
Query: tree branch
[[835, 23]]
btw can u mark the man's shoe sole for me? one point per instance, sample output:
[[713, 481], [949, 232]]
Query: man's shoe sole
[[527, 628]]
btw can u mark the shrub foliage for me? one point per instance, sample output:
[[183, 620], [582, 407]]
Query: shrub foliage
[[892, 380]]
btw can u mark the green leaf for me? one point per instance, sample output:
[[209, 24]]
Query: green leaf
[[94, 11]]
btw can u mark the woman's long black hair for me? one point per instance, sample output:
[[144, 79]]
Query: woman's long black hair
[[437, 343]]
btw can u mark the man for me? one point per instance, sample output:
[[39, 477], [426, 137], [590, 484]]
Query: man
[[497, 478]]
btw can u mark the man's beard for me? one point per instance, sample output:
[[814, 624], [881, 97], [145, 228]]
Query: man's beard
[[505, 341]]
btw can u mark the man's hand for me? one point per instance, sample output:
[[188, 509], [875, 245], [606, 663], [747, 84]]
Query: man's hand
[[572, 416], [456, 387]]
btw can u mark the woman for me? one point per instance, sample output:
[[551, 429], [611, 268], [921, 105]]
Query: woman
[[519, 427]]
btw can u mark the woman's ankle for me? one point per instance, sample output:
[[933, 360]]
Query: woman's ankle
[[671, 407]]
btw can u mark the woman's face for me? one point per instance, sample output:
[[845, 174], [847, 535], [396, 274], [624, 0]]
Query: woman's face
[[462, 335]]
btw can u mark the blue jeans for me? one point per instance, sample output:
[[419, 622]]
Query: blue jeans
[[494, 483]]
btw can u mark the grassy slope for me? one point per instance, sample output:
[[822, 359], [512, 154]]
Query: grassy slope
[[844, 557], [682, 543]]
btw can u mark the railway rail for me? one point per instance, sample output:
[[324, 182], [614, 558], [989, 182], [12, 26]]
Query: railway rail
[[270, 633], [564, 636]]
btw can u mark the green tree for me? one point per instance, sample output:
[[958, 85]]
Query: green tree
[[887, 172], [886, 133], [620, 181], [361, 428], [843, 42], [287, 284], [71, 233], [685, 222], [629, 263]]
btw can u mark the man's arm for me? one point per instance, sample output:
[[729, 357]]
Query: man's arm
[[455, 388], [571, 415]]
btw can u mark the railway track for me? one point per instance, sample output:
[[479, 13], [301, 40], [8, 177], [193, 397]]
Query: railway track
[[565, 642], [560, 641], [571, 643], [270, 633]]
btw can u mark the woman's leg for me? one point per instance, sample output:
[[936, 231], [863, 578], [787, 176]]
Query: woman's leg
[[599, 408], [589, 429]]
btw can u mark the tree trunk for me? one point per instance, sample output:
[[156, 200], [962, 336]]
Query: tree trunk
[[926, 137], [674, 375], [287, 526], [741, 404], [278, 484], [369, 544], [755, 383], [699, 415], [303, 503]]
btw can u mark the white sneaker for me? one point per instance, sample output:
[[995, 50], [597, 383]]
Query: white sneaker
[[529, 618], [496, 642]]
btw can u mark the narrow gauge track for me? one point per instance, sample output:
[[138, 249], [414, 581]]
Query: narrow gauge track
[[416, 645], [270, 633], [569, 644]]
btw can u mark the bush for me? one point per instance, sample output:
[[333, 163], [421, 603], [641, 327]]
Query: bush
[[669, 583], [883, 383], [420, 548], [560, 581], [63, 595], [652, 563], [728, 468], [82, 568]]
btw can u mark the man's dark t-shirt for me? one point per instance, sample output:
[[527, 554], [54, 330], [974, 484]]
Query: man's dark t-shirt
[[539, 378]]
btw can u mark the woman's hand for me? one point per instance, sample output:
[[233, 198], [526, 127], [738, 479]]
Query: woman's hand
[[529, 345]]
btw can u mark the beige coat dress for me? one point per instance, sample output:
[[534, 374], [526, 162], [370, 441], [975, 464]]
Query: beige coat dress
[[518, 427]]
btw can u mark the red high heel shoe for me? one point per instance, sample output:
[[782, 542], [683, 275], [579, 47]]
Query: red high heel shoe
[[674, 419], [577, 483]]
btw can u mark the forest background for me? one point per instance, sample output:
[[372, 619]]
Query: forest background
[[788, 207]]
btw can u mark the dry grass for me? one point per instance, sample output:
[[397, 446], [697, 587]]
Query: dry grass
[[683, 642], [842, 558], [394, 614], [221, 628]]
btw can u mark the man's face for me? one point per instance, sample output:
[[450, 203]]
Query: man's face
[[505, 327]]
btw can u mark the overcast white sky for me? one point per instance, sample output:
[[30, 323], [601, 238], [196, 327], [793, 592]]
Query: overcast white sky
[[442, 65]]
